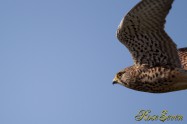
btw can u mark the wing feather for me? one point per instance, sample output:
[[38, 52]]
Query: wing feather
[[142, 32]]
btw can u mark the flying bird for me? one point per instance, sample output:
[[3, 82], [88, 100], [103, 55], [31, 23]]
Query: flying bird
[[159, 66]]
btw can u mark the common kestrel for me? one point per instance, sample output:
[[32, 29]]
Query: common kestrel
[[158, 66]]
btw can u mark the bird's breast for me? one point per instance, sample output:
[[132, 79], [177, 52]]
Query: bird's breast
[[160, 79]]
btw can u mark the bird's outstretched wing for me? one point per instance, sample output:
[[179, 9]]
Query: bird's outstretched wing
[[142, 32], [183, 57]]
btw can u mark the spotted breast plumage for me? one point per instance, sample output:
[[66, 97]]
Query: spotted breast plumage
[[158, 65]]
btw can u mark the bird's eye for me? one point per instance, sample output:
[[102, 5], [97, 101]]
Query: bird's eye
[[119, 74]]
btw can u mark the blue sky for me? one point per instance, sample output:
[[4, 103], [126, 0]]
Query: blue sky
[[58, 59]]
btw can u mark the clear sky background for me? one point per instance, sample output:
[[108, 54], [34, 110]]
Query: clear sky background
[[58, 59]]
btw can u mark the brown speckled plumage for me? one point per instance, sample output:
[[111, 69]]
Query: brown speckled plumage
[[182, 52], [158, 65]]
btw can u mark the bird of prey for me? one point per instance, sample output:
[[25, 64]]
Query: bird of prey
[[159, 66]]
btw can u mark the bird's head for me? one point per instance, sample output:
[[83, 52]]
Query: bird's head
[[125, 77]]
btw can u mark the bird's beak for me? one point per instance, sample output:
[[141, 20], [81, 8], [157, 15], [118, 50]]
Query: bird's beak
[[115, 81]]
